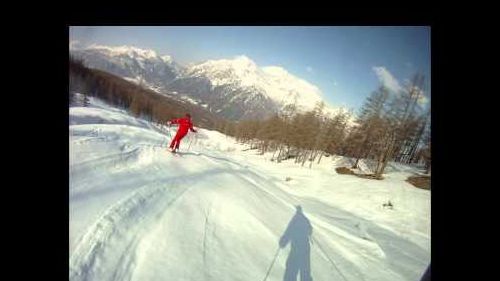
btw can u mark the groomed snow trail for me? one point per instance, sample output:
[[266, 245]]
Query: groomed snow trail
[[137, 212]]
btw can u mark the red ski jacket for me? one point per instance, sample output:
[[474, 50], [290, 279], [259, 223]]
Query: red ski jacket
[[185, 124]]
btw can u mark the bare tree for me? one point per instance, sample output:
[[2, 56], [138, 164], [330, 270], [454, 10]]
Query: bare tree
[[370, 124], [400, 123]]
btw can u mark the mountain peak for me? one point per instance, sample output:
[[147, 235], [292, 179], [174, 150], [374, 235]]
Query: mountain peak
[[243, 61], [240, 62], [124, 50], [275, 70], [274, 81]]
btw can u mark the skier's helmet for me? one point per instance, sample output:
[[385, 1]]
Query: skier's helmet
[[188, 115]]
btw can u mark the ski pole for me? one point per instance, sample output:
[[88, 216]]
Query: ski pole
[[162, 129], [196, 141], [272, 264], [169, 136], [328, 257], [190, 144]]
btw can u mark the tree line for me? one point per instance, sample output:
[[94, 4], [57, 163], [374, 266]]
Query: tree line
[[389, 127]]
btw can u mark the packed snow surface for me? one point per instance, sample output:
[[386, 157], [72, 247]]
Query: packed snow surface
[[218, 211]]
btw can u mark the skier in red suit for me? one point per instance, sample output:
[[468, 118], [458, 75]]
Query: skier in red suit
[[185, 125]]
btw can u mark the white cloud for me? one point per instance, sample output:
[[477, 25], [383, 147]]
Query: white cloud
[[310, 69], [73, 44], [387, 79]]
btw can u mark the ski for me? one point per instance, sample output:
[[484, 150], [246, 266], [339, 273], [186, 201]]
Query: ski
[[175, 153]]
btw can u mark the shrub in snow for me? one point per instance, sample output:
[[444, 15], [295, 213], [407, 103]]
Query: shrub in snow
[[370, 176], [388, 205], [423, 182], [344, 171]]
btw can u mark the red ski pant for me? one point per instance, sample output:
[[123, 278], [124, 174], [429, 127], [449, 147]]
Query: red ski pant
[[176, 141]]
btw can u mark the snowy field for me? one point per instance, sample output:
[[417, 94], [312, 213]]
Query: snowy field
[[216, 212]]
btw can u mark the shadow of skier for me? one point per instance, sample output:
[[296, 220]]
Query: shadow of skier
[[298, 234]]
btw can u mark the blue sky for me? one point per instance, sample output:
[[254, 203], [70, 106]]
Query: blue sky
[[346, 63]]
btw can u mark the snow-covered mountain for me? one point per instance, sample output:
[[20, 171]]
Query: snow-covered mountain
[[232, 88], [275, 82], [239, 83], [134, 64]]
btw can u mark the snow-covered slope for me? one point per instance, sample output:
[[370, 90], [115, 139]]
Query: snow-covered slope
[[216, 212]]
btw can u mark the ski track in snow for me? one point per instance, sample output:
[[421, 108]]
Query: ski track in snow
[[137, 213]]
